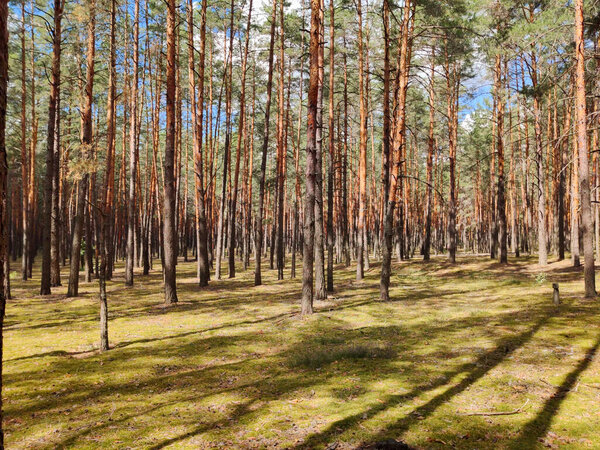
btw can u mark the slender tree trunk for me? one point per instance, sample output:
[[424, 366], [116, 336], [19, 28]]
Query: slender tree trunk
[[24, 156], [575, 198], [32, 150], [562, 181], [311, 161], [241, 137], [331, 171], [169, 230], [133, 151], [451, 82], [3, 181], [584, 173], [430, 151], [398, 141], [362, 159], [281, 150], [539, 159], [258, 244], [501, 204], [56, 221], [49, 177], [345, 224], [86, 143], [227, 149], [250, 168], [297, 190], [104, 224], [105, 211], [320, 292], [203, 266]]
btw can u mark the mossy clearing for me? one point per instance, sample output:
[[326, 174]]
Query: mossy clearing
[[235, 366]]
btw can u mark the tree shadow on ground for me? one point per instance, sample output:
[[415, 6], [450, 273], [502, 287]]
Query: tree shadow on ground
[[537, 428], [474, 371]]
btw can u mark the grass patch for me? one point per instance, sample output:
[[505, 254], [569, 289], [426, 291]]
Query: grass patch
[[235, 366], [314, 358]]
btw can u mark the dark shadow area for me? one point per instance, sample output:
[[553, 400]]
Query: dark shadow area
[[241, 371], [474, 371], [539, 426]]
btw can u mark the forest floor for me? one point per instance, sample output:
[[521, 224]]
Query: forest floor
[[234, 366]]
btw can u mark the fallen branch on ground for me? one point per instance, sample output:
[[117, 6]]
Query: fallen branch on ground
[[498, 413]]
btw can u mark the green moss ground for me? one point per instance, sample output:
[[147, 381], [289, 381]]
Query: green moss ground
[[234, 366]]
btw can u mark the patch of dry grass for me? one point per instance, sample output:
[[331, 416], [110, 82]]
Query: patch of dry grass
[[234, 366]]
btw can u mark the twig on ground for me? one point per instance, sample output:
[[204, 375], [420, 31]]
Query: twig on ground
[[498, 413]]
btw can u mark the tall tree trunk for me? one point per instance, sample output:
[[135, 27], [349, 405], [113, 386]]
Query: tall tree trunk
[[169, 230], [331, 171], [311, 161], [86, 143], [56, 221], [584, 173], [105, 211], [398, 141], [32, 150], [539, 159], [203, 269], [227, 150], [258, 243], [501, 203], [241, 137], [344, 209], [430, 151], [132, 212], [49, 177], [362, 159], [3, 181], [297, 190], [281, 150], [320, 291], [249, 172], [575, 199], [452, 82], [24, 156], [109, 181]]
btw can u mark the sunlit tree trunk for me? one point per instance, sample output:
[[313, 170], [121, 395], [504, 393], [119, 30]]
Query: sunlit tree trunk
[[320, 291], [24, 156], [539, 159], [311, 161], [281, 150], [584, 173], [331, 170], [86, 142], [227, 149], [132, 212], [52, 112], [362, 158], [32, 150], [169, 230], [501, 199], [258, 242], [240, 138], [452, 85], [397, 142], [430, 151], [203, 268], [3, 181]]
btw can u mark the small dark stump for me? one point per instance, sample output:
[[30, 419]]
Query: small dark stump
[[555, 295]]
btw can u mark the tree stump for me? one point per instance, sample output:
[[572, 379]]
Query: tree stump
[[555, 295]]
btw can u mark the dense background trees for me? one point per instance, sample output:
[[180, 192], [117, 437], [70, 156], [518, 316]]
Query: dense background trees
[[359, 131], [363, 128]]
